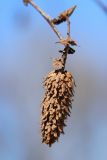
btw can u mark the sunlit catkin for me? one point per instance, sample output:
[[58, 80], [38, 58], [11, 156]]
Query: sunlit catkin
[[56, 105]]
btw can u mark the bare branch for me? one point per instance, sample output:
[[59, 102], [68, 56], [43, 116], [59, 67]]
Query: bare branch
[[68, 22], [46, 17], [64, 16], [101, 5]]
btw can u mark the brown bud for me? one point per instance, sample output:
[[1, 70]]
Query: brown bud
[[26, 2], [63, 16]]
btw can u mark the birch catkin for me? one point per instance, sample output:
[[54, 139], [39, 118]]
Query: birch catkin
[[59, 84], [56, 105]]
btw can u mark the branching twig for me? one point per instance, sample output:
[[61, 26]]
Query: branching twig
[[46, 17], [64, 16]]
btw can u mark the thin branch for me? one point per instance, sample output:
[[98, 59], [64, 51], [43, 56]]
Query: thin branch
[[64, 16], [64, 56], [47, 18], [101, 5], [66, 49], [68, 23]]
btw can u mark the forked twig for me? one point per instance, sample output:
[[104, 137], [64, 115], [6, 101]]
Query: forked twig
[[46, 17], [64, 16]]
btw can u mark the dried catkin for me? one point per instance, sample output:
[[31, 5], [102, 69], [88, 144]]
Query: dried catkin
[[56, 105]]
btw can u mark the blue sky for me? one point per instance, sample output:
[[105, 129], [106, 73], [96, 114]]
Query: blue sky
[[22, 70]]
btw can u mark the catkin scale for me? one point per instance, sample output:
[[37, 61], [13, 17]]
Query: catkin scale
[[56, 105]]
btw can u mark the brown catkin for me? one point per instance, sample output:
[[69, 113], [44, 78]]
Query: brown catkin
[[56, 105]]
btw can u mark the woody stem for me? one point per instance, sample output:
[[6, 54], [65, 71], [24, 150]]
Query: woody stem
[[47, 18]]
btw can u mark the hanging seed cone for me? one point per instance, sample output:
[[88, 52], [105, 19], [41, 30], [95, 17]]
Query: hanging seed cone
[[56, 104]]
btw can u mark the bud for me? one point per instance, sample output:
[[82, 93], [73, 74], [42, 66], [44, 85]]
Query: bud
[[56, 105], [26, 2], [63, 16]]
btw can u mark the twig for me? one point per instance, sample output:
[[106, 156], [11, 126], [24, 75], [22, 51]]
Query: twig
[[64, 16], [47, 18], [68, 23], [67, 46], [101, 5], [64, 55]]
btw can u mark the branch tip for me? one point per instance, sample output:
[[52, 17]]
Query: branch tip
[[63, 16]]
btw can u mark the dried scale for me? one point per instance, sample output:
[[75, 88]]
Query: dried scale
[[57, 104]]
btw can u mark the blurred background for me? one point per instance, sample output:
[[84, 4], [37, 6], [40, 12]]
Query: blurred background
[[27, 47]]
